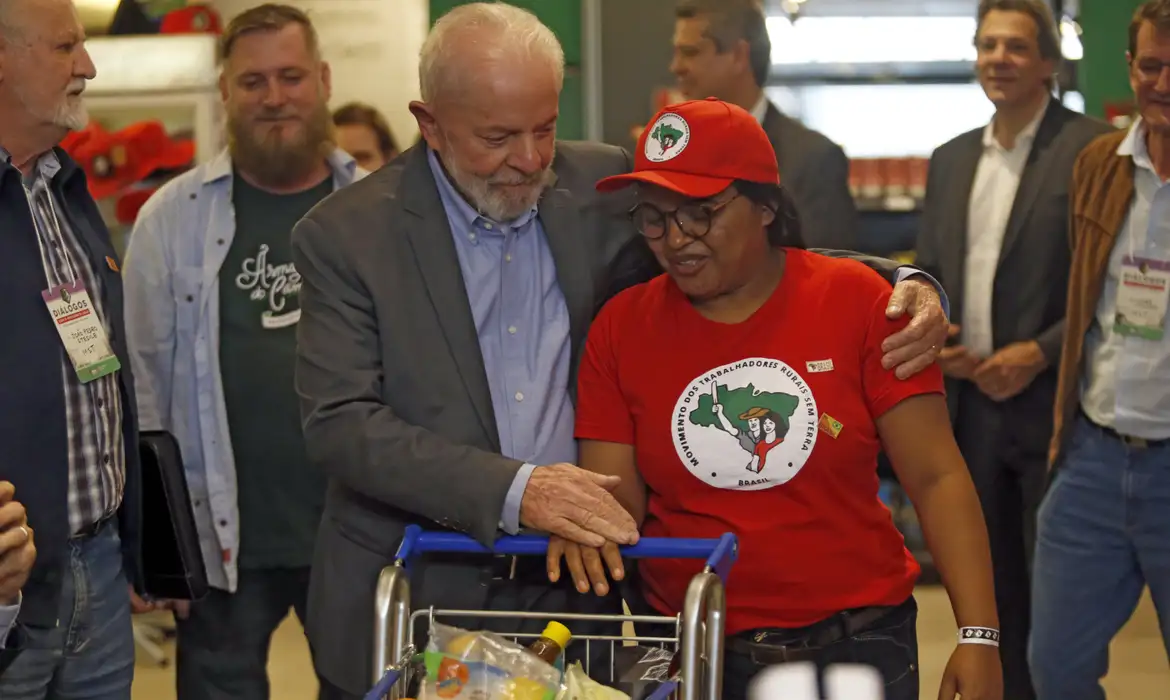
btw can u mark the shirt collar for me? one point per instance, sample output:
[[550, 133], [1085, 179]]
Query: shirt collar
[[455, 202], [48, 165], [1026, 135], [1134, 146], [343, 165], [760, 109]]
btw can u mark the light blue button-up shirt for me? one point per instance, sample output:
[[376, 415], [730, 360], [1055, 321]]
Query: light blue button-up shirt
[[177, 247], [1125, 378], [523, 326]]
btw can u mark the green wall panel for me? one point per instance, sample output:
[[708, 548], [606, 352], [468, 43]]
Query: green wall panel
[[564, 18], [1102, 75]]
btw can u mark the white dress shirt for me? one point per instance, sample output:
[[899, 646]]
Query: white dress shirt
[[1126, 382], [760, 109], [997, 178]]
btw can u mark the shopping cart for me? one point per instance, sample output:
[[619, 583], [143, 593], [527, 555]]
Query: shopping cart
[[698, 629]]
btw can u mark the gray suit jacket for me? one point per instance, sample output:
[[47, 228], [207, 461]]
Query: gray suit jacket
[[816, 173], [394, 394], [1031, 282]]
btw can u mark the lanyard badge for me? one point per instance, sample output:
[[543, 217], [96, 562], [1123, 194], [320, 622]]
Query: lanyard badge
[[81, 331]]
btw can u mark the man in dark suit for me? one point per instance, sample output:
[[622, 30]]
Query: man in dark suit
[[995, 233], [722, 49], [68, 424], [445, 300], [17, 556]]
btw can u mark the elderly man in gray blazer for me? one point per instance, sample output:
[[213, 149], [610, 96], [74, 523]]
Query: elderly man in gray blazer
[[445, 300]]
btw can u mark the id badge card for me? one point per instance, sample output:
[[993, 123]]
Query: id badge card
[[81, 331], [1142, 297]]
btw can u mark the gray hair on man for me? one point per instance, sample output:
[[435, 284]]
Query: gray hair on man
[[493, 28]]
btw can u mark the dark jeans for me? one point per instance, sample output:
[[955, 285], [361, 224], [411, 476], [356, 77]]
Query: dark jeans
[[890, 645], [223, 645], [89, 655]]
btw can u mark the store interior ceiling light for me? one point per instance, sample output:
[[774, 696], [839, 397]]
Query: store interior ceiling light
[[862, 40], [1070, 40]]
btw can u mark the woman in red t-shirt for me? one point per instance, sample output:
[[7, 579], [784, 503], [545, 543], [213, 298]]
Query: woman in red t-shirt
[[743, 391]]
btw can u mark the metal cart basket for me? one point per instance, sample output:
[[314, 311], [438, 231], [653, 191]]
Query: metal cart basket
[[698, 629]]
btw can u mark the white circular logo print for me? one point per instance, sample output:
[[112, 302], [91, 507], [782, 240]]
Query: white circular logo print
[[748, 425], [669, 135]]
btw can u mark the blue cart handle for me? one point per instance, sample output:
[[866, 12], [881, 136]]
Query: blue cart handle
[[720, 553]]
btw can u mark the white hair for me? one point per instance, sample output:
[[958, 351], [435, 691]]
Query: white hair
[[501, 28]]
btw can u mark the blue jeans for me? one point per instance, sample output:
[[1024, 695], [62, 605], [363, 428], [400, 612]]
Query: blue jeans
[[1103, 534], [89, 655]]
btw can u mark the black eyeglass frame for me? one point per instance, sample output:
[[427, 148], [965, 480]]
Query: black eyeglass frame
[[699, 225]]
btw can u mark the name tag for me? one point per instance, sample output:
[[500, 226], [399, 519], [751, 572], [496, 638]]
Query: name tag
[[1142, 298], [81, 331]]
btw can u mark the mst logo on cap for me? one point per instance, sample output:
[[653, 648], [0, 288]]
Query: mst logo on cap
[[669, 135]]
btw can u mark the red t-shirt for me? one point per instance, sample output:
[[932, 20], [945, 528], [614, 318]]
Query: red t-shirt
[[732, 426]]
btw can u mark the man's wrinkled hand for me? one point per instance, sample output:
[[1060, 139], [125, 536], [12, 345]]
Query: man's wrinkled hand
[[1010, 370], [586, 565], [566, 500], [915, 347], [18, 551], [957, 361]]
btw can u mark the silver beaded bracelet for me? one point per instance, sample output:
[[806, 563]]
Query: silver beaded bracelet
[[979, 635]]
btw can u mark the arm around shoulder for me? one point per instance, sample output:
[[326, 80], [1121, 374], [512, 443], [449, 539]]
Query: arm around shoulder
[[351, 433]]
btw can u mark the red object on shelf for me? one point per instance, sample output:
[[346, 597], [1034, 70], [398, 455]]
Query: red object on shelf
[[193, 19], [918, 172], [128, 205], [115, 161], [897, 175]]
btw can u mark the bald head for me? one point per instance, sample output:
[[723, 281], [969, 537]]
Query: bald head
[[483, 37]]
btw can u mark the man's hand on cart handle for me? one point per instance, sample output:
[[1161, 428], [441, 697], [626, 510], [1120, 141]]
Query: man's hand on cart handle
[[565, 500], [585, 564]]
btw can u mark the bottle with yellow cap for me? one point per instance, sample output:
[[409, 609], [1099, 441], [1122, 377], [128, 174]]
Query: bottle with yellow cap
[[552, 642]]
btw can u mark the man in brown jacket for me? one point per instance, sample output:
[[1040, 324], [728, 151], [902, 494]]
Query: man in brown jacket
[[1104, 525]]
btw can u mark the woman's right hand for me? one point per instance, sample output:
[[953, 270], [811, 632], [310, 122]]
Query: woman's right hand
[[585, 564]]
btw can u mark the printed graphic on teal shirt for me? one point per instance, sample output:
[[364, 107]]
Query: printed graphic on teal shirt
[[748, 425], [280, 494]]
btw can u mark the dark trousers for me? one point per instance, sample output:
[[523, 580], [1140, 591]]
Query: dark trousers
[[1010, 486], [223, 645], [889, 645]]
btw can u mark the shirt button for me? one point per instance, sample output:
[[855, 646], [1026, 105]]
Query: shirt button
[[488, 226], [101, 403], [508, 257], [471, 237], [512, 330], [106, 459], [519, 396]]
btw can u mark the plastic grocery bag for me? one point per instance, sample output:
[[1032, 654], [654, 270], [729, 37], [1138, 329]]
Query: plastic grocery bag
[[578, 685], [463, 665]]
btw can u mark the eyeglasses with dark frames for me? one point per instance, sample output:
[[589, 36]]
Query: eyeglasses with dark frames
[[693, 218]]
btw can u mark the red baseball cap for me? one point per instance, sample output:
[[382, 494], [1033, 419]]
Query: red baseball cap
[[193, 19], [698, 149], [114, 161]]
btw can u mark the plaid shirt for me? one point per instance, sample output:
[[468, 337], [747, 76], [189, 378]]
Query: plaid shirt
[[93, 411]]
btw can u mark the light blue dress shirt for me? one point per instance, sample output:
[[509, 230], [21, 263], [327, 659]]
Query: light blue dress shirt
[[1124, 381], [8, 615], [176, 252], [523, 326]]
